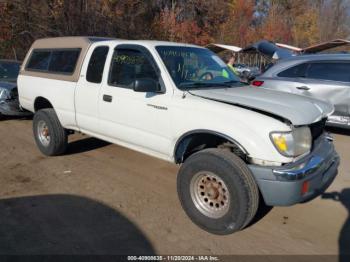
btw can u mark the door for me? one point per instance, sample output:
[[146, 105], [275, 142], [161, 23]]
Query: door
[[324, 80], [289, 80], [329, 81], [139, 120], [88, 89]]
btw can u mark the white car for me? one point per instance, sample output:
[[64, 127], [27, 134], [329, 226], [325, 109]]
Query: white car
[[238, 146]]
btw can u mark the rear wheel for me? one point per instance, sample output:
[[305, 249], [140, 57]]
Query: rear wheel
[[217, 191], [50, 137]]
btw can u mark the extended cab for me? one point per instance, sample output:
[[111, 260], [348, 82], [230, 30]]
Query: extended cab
[[237, 145]]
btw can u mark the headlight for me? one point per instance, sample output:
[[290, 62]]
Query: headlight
[[4, 94], [294, 143]]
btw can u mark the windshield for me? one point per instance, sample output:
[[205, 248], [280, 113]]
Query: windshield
[[194, 68], [9, 71]]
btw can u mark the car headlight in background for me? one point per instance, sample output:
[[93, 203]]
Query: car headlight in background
[[4, 94], [294, 143]]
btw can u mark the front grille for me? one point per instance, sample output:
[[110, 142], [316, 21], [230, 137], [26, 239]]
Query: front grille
[[317, 128]]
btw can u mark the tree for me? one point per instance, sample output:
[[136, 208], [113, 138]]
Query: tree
[[305, 28], [334, 19], [275, 26], [238, 29], [170, 25], [236, 22]]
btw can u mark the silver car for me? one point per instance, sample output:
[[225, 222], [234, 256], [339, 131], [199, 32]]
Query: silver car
[[322, 76]]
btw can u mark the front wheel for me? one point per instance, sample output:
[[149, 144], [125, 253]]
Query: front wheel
[[50, 137], [217, 191]]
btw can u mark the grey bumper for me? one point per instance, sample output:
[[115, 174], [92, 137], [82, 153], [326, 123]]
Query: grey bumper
[[299, 181]]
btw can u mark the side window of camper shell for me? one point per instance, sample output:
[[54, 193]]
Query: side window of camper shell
[[57, 61]]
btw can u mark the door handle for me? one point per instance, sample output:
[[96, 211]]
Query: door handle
[[107, 98], [303, 88]]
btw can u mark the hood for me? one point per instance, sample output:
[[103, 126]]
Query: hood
[[7, 85], [299, 110]]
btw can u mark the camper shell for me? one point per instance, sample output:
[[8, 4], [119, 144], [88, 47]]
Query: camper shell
[[80, 44]]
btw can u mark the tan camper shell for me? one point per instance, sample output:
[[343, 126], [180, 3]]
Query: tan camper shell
[[79, 45]]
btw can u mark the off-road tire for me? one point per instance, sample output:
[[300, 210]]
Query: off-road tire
[[58, 135], [242, 188]]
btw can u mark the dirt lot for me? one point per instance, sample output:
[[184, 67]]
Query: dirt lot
[[105, 199]]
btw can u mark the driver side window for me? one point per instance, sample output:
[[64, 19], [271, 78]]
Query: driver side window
[[128, 65]]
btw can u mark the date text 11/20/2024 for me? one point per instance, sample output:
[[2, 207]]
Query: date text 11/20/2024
[[173, 258]]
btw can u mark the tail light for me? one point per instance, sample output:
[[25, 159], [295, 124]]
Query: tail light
[[305, 188], [257, 83]]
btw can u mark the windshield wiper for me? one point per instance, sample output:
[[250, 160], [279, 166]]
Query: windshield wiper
[[235, 82], [193, 84], [232, 82], [206, 84]]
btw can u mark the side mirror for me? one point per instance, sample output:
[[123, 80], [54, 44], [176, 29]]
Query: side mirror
[[146, 85]]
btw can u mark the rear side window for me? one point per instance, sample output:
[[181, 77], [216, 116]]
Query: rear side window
[[97, 64], [334, 71], [39, 60], [128, 65], [295, 71], [61, 61]]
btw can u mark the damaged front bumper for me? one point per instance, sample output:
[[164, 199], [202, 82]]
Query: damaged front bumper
[[299, 181]]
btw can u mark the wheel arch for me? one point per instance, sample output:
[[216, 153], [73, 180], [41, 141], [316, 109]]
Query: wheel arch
[[41, 103], [195, 140]]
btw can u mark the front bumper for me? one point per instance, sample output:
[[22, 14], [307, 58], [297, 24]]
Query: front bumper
[[299, 181]]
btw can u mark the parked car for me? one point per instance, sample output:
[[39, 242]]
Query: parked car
[[232, 141], [9, 104], [323, 76], [242, 68], [246, 73]]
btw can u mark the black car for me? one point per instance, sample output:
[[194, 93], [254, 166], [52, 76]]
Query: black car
[[9, 104]]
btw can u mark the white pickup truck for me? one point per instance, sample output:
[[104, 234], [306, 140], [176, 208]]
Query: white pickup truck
[[238, 146]]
